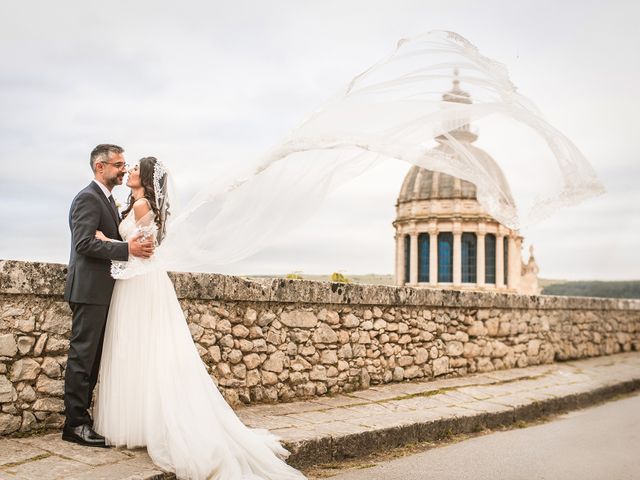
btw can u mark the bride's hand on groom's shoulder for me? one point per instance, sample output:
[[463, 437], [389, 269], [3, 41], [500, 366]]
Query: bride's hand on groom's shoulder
[[137, 248]]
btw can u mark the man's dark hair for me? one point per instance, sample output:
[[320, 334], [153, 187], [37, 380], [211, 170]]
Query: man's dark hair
[[101, 154]]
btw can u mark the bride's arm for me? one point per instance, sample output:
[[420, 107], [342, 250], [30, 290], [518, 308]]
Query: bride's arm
[[140, 208], [145, 219], [103, 237]]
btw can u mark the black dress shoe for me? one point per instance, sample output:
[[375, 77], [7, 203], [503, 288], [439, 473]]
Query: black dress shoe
[[83, 435]]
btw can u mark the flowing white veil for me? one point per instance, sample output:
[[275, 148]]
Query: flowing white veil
[[393, 110]]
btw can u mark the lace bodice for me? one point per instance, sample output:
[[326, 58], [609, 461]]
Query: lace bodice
[[129, 227]]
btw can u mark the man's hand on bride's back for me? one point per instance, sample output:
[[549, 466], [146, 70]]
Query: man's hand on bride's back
[[137, 248]]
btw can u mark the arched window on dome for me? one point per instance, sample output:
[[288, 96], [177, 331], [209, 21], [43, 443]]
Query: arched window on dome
[[445, 257], [506, 258], [423, 257], [469, 257], [407, 259], [490, 258]]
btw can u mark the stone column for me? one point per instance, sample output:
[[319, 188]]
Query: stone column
[[413, 266], [457, 254], [480, 258], [499, 260], [399, 258], [433, 256]]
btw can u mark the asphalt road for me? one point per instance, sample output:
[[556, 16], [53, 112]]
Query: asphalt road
[[598, 443]]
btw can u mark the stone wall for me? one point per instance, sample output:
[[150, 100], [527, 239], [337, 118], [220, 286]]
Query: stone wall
[[286, 339]]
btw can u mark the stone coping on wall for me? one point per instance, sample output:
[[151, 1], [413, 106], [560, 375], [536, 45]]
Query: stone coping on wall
[[47, 279]]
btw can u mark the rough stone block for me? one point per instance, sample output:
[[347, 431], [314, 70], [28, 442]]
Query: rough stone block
[[57, 319], [24, 369], [477, 329], [8, 345], [421, 356], [47, 386], [57, 345], [484, 365], [299, 319], [275, 362], [471, 350], [324, 334], [492, 326], [455, 349], [9, 423], [499, 349], [398, 374], [252, 360], [269, 378], [350, 321], [533, 347], [329, 357], [49, 405], [7, 390], [440, 366]]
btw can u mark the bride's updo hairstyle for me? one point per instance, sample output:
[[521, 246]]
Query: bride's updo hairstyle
[[147, 167]]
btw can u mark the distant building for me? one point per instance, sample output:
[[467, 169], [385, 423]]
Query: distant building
[[444, 237]]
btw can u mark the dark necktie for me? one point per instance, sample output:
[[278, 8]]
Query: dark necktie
[[113, 205]]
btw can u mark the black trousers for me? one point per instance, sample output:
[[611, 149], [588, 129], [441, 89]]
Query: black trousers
[[83, 362]]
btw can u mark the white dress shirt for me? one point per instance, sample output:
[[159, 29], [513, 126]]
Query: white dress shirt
[[107, 194], [104, 189]]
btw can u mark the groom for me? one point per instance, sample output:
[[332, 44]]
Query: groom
[[89, 286]]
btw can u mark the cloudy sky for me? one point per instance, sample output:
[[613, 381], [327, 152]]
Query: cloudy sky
[[209, 85]]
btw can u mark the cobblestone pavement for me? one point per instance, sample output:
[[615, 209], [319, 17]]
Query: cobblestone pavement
[[330, 428]]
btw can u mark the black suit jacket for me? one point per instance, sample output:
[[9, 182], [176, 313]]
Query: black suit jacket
[[88, 277]]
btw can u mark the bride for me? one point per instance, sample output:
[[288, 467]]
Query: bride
[[154, 389]]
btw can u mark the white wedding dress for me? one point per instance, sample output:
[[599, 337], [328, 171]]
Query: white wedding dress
[[154, 389]]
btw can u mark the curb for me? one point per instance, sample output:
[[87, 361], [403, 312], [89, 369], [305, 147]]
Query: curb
[[330, 448]]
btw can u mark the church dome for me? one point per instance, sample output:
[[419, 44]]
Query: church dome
[[445, 238], [422, 184]]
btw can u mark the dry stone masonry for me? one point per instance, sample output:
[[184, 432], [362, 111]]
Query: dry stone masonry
[[289, 339]]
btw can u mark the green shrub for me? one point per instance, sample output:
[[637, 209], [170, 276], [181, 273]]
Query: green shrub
[[340, 278]]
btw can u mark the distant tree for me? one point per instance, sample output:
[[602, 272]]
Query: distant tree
[[620, 289], [294, 276], [340, 278]]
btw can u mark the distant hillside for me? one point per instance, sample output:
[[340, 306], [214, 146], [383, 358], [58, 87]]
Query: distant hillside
[[370, 278], [611, 289], [620, 289]]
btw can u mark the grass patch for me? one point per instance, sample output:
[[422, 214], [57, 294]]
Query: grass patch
[[38, 431], [28, 460]]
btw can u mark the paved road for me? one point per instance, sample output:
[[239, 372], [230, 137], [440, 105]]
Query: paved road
[[599, 443]]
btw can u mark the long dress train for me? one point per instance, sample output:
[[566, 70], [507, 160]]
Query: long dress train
[[154, 390]]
